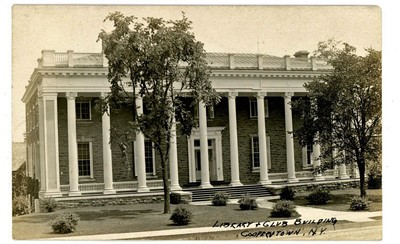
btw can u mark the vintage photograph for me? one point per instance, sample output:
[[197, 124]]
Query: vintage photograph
[[206, 122]]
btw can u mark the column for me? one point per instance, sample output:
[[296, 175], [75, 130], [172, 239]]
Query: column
[[342, 167], [289, 138], [317, 161], [72, 146], [173, 158], [235, 180], [107, 156], [205, 168], [262, 140], [139, 151], [48, 126]]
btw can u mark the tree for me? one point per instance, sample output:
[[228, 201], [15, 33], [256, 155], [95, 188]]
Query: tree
[[343, 108], [163, 62]]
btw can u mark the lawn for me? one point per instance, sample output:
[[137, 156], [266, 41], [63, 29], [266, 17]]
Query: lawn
[[130, 218], [340, 200]]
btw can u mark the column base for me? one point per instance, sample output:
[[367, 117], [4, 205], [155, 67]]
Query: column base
[[74, 193], [206, 185], [176, 188], [292, 180], [109, 191], [143, 189], [264, 182], [45, 194], [318, 178], [238, 183], [343, 177]]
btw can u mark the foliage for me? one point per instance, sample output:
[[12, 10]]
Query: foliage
[[343, 108], [164, 63], [319, 196], [287, 193], [65, 223], [48, 204], [359, 203], [284, 208], [20, 205], [23, 187], [247, 202], [181, 216], [374, 181], [220, 199]]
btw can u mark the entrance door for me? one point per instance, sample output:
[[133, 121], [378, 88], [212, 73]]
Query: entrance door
[[211, 159]]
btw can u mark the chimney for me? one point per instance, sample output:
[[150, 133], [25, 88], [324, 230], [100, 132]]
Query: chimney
[[302, 54]]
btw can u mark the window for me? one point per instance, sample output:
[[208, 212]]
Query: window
[[149, 157], [209, 112], [307, 156], [253, 108], [85, 164], [82, 110], [255, 153]]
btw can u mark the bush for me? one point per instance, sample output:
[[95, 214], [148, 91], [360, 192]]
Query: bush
[[359, 203], [287, 193], [220, 199], [374, 181], [247, 202], [20, 205], [284, 208], [48, 204], [319, 197], [65, 223], [181, 216]]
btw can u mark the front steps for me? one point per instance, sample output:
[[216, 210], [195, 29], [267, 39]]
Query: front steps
[[199, 194]]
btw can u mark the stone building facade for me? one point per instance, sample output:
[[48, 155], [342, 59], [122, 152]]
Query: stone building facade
[[244, 139]]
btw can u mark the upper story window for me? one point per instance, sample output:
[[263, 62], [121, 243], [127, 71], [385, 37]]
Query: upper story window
[[83, 110], [209, 112], [253, 108]]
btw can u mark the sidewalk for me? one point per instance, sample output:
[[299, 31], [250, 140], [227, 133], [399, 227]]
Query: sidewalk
[[358, 219]]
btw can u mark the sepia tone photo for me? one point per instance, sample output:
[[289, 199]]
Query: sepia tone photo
[[179, 122]]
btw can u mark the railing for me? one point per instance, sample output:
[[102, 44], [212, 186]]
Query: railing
[[215, 60], [118, 186]]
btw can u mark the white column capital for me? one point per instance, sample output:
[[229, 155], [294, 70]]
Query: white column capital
[[260, 95], [288, 95], [232, 94], [71, 95]]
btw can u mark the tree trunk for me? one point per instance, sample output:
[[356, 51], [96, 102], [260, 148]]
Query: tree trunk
[[167, 207], [361, 169]]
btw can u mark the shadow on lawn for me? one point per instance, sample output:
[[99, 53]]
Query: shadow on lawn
[[112, 214]]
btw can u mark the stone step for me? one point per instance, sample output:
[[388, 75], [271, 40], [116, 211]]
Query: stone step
[[200, 194]]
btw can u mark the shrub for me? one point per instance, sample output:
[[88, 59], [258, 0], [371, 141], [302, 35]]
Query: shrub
[[247, 202], [20, 205], [319, 197], [65, 223], [220, 199], [181, 216], [287, 193], [48, 204], [374, 181], [359, 203], [284, 208]]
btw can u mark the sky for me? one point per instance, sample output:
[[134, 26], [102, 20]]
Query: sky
[[274, 30]]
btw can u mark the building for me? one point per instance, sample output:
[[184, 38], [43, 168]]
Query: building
[[247, 133]]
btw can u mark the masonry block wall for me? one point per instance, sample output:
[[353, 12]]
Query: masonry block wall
[[87, 131]]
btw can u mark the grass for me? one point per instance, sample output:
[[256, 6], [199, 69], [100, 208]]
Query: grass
[[130, 218], [340, 200]]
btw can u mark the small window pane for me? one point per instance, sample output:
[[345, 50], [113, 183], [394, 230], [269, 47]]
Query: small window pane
[[197, 143]]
